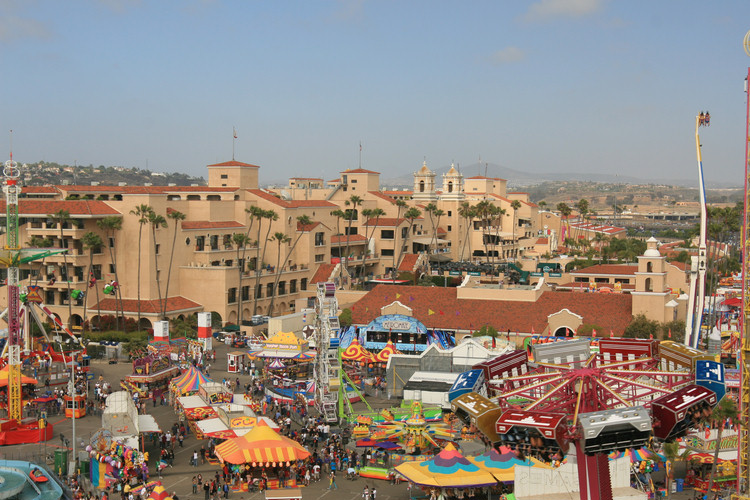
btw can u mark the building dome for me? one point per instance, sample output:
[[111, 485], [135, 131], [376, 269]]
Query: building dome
[[651, 250]]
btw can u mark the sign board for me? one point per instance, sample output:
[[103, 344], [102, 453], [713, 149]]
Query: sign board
[[474, 273], [455, 273], [555, 275], [537, 275]]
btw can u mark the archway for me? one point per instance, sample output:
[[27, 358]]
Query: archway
[[564, 331], [145, 324], [76, 320], [233, 317]]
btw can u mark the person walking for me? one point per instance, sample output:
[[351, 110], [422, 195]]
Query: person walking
[[332, 485], [195, 485]]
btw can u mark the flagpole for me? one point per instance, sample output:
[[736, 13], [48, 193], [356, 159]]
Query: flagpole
[[234, 139]]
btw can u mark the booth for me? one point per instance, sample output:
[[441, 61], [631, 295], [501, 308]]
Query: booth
[[235, 361], [75, 406]]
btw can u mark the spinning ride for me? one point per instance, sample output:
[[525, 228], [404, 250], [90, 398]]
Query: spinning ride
[[599, 403]]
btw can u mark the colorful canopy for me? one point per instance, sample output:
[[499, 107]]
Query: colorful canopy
[[305, 356], [4, 377], [262, 445], [189, 381], [447, 469], [502, 465], [276, 364], [386, 352], [159, 493], [355, 352], [638, 455]]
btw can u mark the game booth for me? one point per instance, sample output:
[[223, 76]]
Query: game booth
[[151, 375]]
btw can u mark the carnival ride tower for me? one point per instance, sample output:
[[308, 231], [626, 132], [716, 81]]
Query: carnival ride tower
[[698, 266], [743, 450], [13, 253], [327, 365]]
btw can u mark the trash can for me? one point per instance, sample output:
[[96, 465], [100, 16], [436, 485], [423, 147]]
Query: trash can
[[679, 484], [61, 462]]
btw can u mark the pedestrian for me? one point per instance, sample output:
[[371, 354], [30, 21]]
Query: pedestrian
[[207, 490], [226, 490], [195, 485], [332, 485], [366, 493], [374, 493], [195, 458]]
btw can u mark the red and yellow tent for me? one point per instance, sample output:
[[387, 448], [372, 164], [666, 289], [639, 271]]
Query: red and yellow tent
[[261, 446], [385, 353], [188, 382], [355, 352], [4, 375]]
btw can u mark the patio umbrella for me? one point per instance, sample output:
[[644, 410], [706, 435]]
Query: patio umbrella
[[447, 469], [262, 445], [305, 356], [276, 364]]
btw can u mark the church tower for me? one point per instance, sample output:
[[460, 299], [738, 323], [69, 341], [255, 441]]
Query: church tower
[[424, 185], [651, 296], [453, 185]]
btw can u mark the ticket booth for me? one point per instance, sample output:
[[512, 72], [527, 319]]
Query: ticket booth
[[75, 406], [235, 361]]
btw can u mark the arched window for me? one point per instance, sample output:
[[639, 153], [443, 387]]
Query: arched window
[[450, 187], [649, 267], [421, 186], [649, 288]]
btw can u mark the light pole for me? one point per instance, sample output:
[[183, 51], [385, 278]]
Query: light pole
[[72, 392]]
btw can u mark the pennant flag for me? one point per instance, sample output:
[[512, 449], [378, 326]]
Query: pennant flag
[[430, 312], [532, 330], [593, 333], [670, 333], [651, 336], [367, 309], [234, 132], [457, 313], [398, 295], [441, 312], [611, 334], [411, 299]]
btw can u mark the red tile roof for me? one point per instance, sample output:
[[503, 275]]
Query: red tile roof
[[291, 203], [307, 227], [577, 286], [398, 193], [382, 196], [620, 269], [32, 207], [311, 203], [233, 163], [340, 239], [147, 306], [207, 224], [542, 241], [597, 228], [386, 222], [359, 171], [144, 189], [408, 262], [39, 189], [323, 273], [439, 307], [440, 230], [682, 266]]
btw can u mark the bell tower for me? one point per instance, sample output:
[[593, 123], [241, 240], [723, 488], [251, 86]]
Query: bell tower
[[424, 185], [453, 185]]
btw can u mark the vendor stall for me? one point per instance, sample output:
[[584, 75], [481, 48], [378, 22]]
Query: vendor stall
[[235, 361], [151, 375]]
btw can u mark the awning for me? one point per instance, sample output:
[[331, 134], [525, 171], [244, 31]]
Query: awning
[[274, 353], [426, 240], [440, 257], [147, 423]]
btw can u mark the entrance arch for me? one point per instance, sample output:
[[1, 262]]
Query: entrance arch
[[564, 331]]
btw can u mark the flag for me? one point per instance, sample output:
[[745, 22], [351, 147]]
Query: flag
[[430, 312], [532, 330], [670, 333], [651, 336], [360, 146], [398, 295], [593, 333], [234, 132], [611, 334]]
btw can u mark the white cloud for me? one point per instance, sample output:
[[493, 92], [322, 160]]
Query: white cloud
[[14, 28], [507, 55], [549, 9]]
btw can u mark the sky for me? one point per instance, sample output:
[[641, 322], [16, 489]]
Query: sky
[[595, 86]]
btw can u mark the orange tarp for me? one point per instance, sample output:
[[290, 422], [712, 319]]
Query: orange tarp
[[4, 378]]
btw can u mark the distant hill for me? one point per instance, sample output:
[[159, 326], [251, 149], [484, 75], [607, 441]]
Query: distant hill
[[50, 173], [517, 178]]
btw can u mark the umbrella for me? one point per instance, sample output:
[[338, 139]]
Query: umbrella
[[262, 445], [305, 356], [502, 465], [447, 469], [276, 364]]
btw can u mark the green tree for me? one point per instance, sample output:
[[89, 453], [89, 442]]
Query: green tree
[[303, 221], [400, 205], [438, 214], [515, 205], [280, 239], [271, 216], [91, 242], [410, 215], [726, 409], [345, 318], [430, 210], [642, 328], [240, 240], [565, 212], [141, 211], [351, 215], [485, 331], [377, 213], [176, 217], [467, 212], [61, 218], [110, 225], [157, 222]]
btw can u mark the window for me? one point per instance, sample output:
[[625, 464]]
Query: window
[[450, 187], [112, 269], [111, 242], [232, 295], [97, 270], [224, 176], [421, 186], [282, 287], [319, 257], [386, 234], [404, 232], [350, 230], [200, 242], [320, 239], [386, 252], [259, 292], [303, 284], [157, 247], [450, 213], [269, 290], [649, 288], [63, 297], [450, 228], [245, 293], [292, 286], [49, 296], [354, 181]]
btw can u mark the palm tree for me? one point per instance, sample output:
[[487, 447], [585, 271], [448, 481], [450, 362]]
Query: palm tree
[[272, 216], [177, 217], [726, 409], [111, 225], [400, 205], [240, 241], [582, 206], [302, 222], [468, 212], [142, 211], [565, 212], [409, 215], [280, 238], [39, 242], [483, 210], [515, 205], [430, 210], [61, 217], [91, 241], [351, 215], [157, 221], [377, 213]]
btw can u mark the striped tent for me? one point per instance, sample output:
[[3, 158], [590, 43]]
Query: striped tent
[[385, 353], [261, 446], [188, 382], [355, 352]]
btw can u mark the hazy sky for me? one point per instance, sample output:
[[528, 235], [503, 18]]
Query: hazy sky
[[547, 85]]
